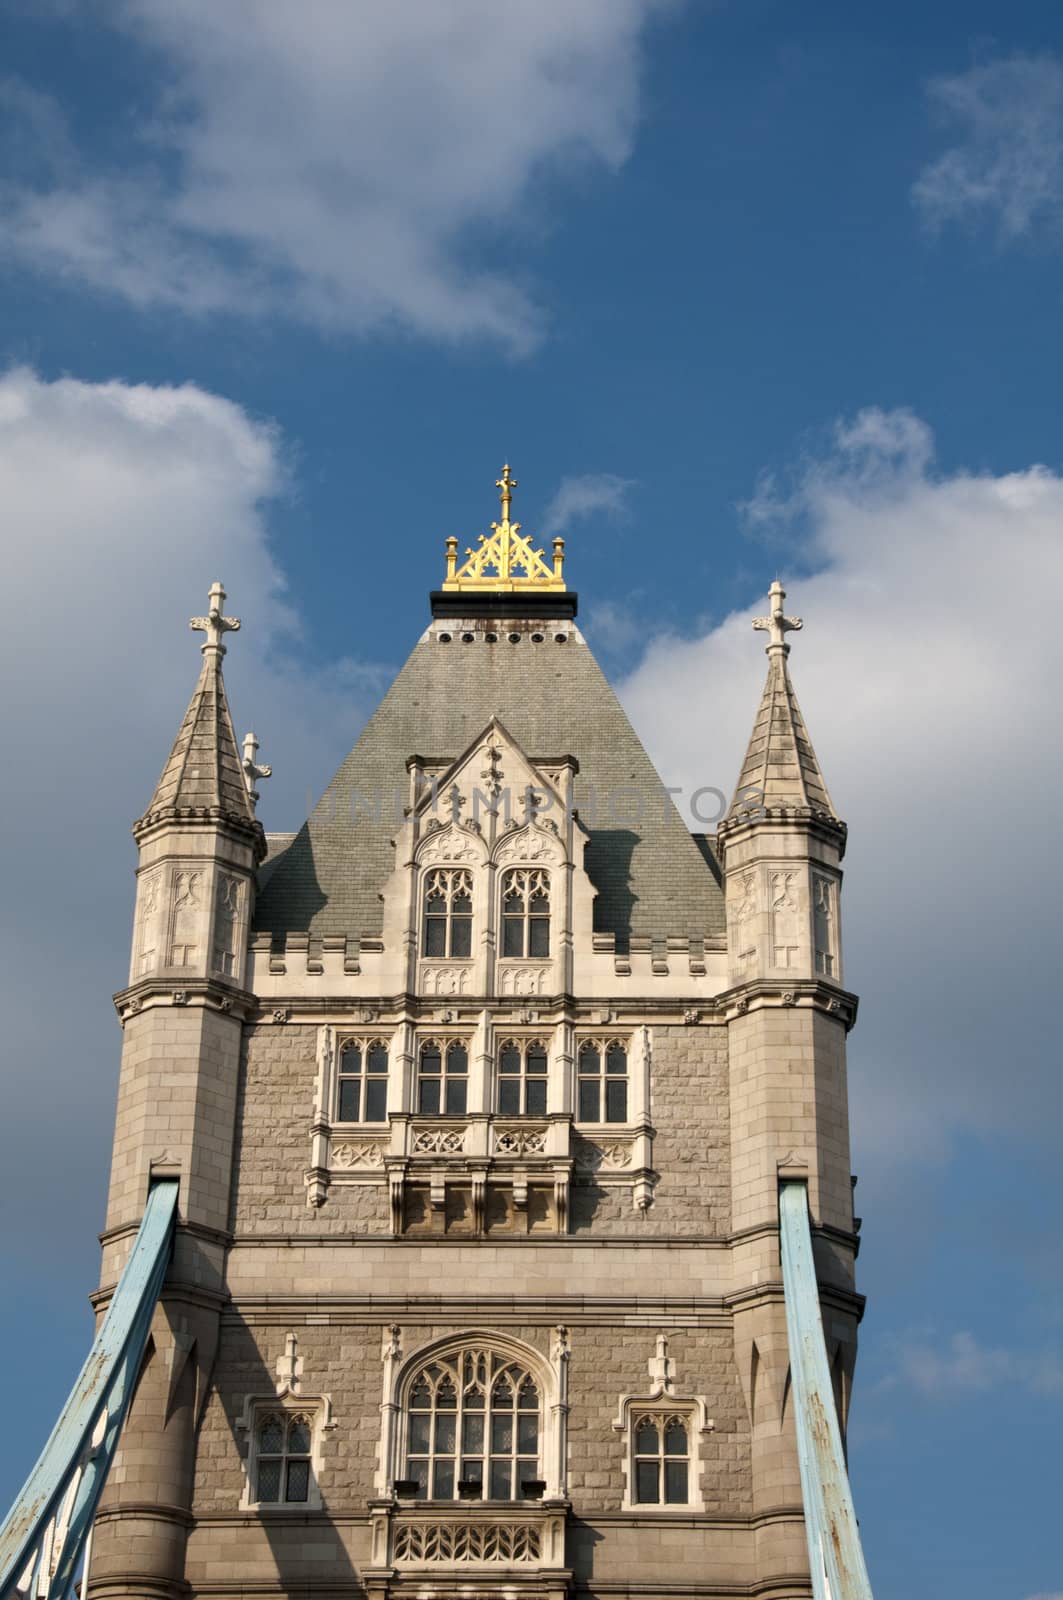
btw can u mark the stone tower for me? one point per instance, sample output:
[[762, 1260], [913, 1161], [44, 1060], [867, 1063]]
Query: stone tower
[[479, 1088]]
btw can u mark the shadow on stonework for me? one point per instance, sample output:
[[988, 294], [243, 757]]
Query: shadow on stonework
[[304, 1544], [608, 864], [580, 1541], [591, 1203]]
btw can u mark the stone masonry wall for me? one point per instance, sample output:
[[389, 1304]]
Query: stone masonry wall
[[691, 1151], [343, 1360]]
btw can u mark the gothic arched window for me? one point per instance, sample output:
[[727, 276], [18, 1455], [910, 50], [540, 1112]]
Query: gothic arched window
[[448, 913], [282, 1441], [443, 1076], [362, 1081], [661, 1458], [526, 912], [522, 1078], [602, 1077], [473, 1421]]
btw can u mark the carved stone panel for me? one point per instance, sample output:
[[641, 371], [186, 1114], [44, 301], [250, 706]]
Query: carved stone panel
[[786, 921], [523, 978]]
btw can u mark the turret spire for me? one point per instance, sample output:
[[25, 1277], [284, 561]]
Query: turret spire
[[780, 771], [204, 776]]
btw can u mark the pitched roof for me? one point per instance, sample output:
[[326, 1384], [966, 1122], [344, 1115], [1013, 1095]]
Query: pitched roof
[[780, 769], [651, 877], [203, 774]]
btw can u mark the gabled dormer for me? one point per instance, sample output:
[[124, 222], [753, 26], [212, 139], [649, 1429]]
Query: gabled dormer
[[489, 891]]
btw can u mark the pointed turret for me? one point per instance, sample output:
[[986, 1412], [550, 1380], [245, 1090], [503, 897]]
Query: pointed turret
[[205, 776], [780, 771], [182, 1013], [780, 846]]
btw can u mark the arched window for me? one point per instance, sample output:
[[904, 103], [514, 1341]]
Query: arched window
[[602, 1079], [526, 912], [443, 1077], [472, 1429], [661, 1453], [362, 1081], [282, 1457], [448, 913], [522, 1077]]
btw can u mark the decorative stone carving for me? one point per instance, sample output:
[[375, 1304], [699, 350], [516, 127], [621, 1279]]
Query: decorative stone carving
[[745, 941], [523, 980], [520, 1141], [357, 1153], [529, 843], [281, 1015], [455, 1541], [785, 920], [448, 980], [438, 1141], [449, 844], [612, 1156]]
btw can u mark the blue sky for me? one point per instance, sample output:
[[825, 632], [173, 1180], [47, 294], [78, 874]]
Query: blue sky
[[738, 289]]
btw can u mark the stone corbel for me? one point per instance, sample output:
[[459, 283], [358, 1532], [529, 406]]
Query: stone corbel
[[520, 1190], [479, 1200], [396, 1193], [438, 1189], [562, 1177]]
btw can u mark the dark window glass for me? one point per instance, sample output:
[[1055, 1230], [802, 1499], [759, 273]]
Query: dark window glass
[[647, 1489], [435, 936], [647, 1441], [675, 1439], [539, 936], [298, 1480], [350, 1099], [443, 1481], [376, 1100], [615, 1101], [509, 1097], [269, 1481], [536, 1097], [512, 936], [616, 1060], [428, 1097], [588, 1100], [457, 1091], [377, 1058], [675, 1483], [461, 936], [509, 1059]]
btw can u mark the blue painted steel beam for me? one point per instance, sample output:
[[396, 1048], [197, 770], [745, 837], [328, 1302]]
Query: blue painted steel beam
[[834, 1551], [69, 1463]]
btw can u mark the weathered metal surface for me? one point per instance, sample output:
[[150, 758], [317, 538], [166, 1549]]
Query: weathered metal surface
[[43, 1536], [834, 1551]]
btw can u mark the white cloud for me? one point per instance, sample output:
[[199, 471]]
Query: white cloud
[[587, 495], [1008, 164], [121, 505], [927, 674], [342, 171], [957, 1366]]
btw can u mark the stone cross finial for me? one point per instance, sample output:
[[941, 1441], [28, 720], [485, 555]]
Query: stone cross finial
[[253, 772], [214, 625], [777, 626]]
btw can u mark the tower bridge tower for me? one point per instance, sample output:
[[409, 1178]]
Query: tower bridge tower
[[479, 1100]]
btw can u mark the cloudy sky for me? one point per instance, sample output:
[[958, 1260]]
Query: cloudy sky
[[740, 289]]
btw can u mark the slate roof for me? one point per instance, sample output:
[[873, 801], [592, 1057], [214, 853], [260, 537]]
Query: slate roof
[[652, 878], [203, 772], [780, 768]]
